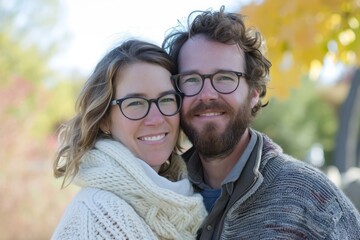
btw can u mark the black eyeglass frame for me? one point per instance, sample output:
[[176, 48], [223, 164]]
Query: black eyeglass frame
[[176, 78], [178, 96]]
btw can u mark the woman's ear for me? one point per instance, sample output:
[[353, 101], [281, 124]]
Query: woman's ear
[[105, 124]]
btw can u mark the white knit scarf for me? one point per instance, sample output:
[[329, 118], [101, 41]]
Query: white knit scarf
[[170, 214]]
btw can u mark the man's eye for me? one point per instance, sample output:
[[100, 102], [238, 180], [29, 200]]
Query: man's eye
[[224, 78]]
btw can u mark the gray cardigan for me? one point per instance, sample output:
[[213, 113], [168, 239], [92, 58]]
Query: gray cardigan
[[279, 197]]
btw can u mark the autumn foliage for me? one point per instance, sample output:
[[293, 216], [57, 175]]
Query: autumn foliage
[[300, 34]]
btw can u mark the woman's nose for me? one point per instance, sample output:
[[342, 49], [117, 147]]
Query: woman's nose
[[154, 117]]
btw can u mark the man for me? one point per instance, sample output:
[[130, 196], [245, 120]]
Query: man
[[251, 189]]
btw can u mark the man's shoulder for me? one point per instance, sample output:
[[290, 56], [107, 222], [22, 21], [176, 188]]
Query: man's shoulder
[[290, 168], [289, 175]]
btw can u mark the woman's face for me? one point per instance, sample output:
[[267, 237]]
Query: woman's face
[[153, 137]]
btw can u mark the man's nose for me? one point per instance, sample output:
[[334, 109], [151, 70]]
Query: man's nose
[[208, 92]]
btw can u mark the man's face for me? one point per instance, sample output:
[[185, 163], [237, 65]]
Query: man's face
[[215, 122]]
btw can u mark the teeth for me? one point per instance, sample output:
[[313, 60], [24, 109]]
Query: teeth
[[153, 138], [210, 114]]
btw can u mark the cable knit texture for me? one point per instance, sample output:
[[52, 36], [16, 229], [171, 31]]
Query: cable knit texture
[[120, 201], [289, 200]]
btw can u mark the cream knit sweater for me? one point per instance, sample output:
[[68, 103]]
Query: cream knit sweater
[[123, 198]]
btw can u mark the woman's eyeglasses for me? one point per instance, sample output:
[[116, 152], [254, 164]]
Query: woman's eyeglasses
[[136, 108]]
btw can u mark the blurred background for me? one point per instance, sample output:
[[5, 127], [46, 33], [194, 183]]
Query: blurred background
[[48, 48]]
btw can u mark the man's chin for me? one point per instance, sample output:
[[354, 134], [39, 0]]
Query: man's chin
[[208, 133]]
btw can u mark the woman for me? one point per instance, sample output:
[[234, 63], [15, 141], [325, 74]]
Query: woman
[[120, 149]]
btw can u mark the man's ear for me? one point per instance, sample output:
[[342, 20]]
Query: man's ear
[[254, 96]]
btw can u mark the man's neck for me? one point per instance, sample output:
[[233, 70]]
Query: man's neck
[[216, 169]]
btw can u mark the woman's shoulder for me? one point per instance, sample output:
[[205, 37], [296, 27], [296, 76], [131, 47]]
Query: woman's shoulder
[[94, 210], [101, 202], [96, 195]]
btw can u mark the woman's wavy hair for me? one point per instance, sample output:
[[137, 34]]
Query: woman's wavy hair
[[226, 28], [79, 135]]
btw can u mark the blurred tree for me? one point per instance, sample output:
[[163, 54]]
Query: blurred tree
[[30, 35], [33, 100], [300, 35], [300, 121]]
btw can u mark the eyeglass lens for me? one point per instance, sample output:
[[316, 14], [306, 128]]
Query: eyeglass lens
[[223, 82], [137, 108]]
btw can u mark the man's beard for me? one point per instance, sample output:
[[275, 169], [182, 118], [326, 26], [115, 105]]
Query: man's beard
[[213, 144]]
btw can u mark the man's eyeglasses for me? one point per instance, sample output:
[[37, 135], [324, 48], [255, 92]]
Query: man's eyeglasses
[[136, 108], [222, 81]]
